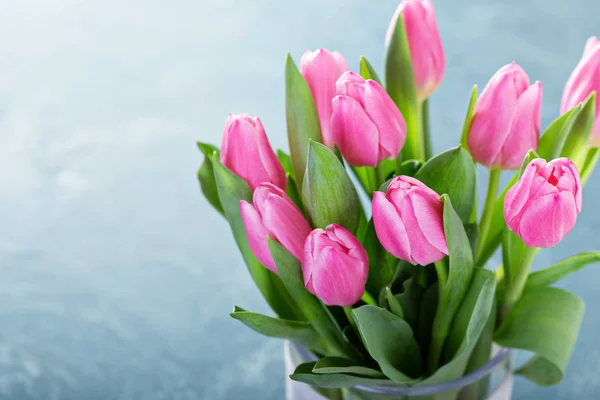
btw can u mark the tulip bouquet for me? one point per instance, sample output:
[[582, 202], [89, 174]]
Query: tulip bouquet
[[393, 287]]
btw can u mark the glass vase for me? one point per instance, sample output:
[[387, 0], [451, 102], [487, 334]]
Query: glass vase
[[493, 381]]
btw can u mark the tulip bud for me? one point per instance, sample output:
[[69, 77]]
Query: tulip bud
[[584, 80], [542, 207], [506, 120], [321, 69], [409, 221], [246, 151], [335, 266], [424, 44], [366, 125], [272, 213]]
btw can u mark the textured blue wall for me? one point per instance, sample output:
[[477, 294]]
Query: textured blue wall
[[116, 277]]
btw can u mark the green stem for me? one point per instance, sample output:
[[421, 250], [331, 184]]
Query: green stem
[[379, 175], [515, 289], [426, 130], [348, 312], [413, 147], [488, 210], [367, 298], [442, 273]]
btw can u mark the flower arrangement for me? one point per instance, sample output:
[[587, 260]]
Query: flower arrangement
[[396, 291]]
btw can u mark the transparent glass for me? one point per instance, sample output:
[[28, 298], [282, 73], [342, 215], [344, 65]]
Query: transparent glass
[[493, 381]]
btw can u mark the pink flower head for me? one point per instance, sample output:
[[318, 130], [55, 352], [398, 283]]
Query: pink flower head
[[584, 80], [246, 151], [409, 221], [321, 69], [506, 120], [542, 207], [272, 213], [335, 266], [366, 125], [424, 43]]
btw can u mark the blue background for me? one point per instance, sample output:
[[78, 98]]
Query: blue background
[[116, 275]]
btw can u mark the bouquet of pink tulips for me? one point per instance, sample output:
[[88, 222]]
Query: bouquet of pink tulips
[[397, 290]]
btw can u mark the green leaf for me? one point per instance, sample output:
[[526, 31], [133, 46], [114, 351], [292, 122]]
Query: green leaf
[[328, 193], [480, 355], [366, 177], [304, 373], [408, 168], [548, 276], [576, 144], [390, 341], [367, 71], [427, 311], [286, 162], [545, 321], [467, 327], [410, 301], [293, 194], [338, 365], [297, 331], [590, 162], [468, 118], [556, 134], [301, 116], [459, 277], [400, 85], [232, 189], [382, 265], [206, 176], [395, 306], [317, 314], [452, 172]]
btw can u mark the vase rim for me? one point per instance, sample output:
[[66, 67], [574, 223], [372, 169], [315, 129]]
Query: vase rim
[[425, 390]]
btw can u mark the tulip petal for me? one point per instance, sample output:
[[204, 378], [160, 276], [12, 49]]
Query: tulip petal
[[590, 45], [517, 74], [548, 219], [308, 262], [285, 223], [523, 191], [492, 119], [257, 235], [271, 164], [525, 131], [421, 250], [354, 248], [430, 216], [584, 79], [321, 69], [571, 180], [389, 121], [354, 132], [390, 228], [419, 42], [337, 284]]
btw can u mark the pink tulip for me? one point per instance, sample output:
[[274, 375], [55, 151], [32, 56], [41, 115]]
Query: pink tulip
[[366, 125], [335, 266], [584, 80], [424, 44], [321, 69], [272, 213], [246, 151], [506, 120], [409, 221], [542, 207]]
